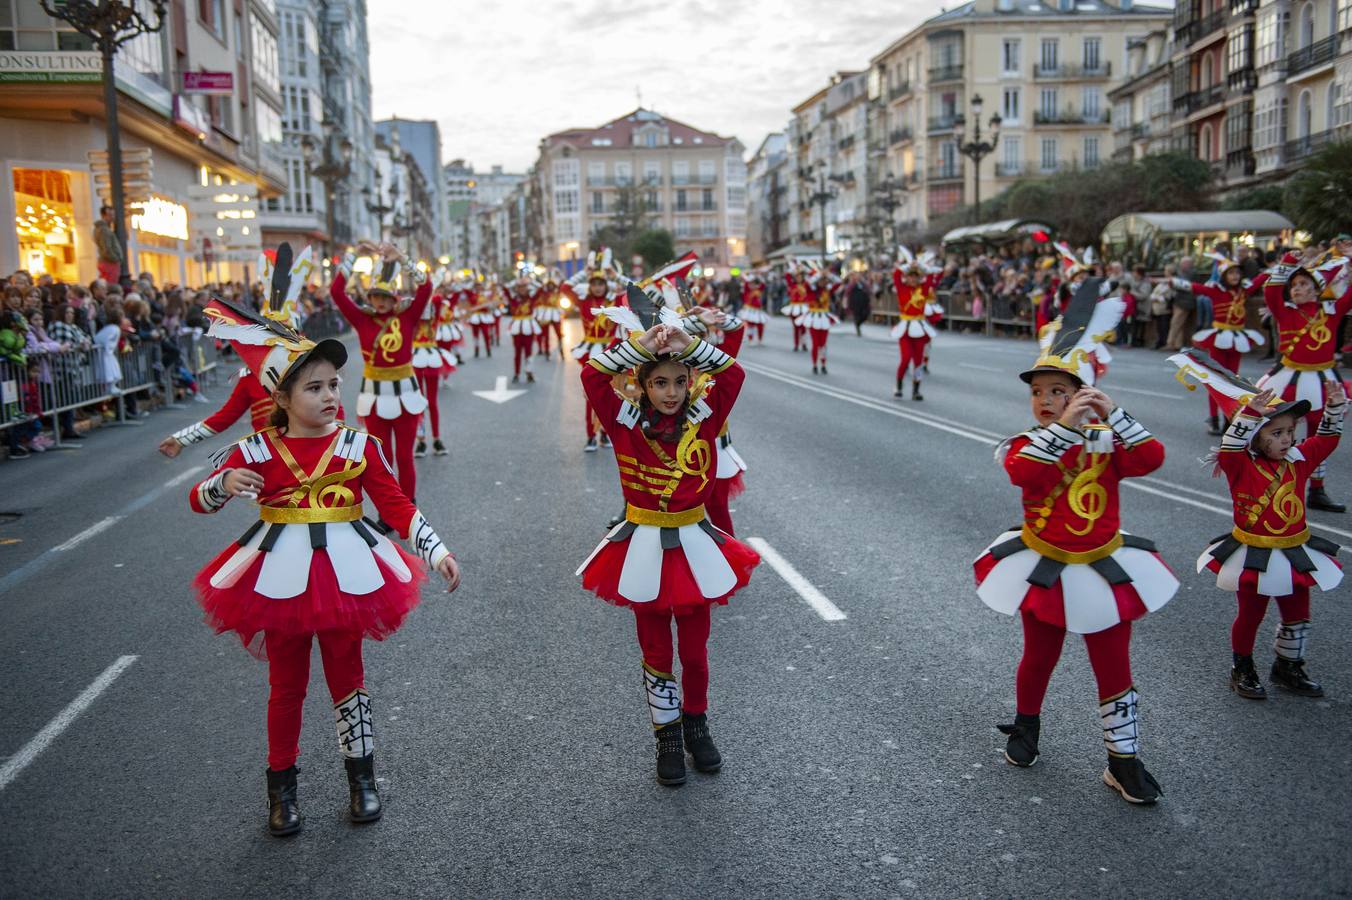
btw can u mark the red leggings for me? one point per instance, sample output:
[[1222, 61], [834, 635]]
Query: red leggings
[[398, 435], [483, 333], [428, 380], [692, 638], [522, 346], [289, 676], [912, 356], [1294, 607], [1231, 359], [759, 329], [797, 335], [1109, 656], [543, 337], [717, 506], [819, 336]]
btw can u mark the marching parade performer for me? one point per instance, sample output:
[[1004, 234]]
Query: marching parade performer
[[549, 314], [450, 335], [598, 332], [795, 283], [524, 327], [1227, 340], [430, 362], [1307, 327], [284, 276], [1069, 567], [311, 567], [914, 330], [481, 319], [390, 402], [1270, 553], [666, 561], [818, 319], [753, 306]]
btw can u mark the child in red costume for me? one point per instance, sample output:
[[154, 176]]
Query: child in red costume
[[430, 363], [795, 286], [549, 315], [914, 331], [524, 328], [753, 307], [598, 332], [819, 319], [1270, 553], [1069, 567], [666, 560], [390, 403], [311, 567]]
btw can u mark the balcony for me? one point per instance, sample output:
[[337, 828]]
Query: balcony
[[945, 73], [1243, 7], [1070, 117], [1316, 54], [1003, 170], [1243, 81], [944, 172], [621, 181], [1193, 101], [899, 136], [1239, 161], [1209, 25], [845, 143], [897, 91], [1073, 73], [681, 180], [1302, 147], [943, 123]]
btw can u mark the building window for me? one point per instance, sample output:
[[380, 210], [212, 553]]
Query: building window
[[212, 15], [1270, 38], [680, 201], [680, 168], [1009, 109], [1093, 54], [1048, 154], [1091, 103], [736, 197], [1239, 50], [652, 171], [624, 173], [1010, 52], [598, 204], [565, 201], [1047, 101], [707, 199], [596, 171], [707, 172], [1013, 154], [1091, 152], [1344, 15], [1051, 54], [650, 139], [566, 174]]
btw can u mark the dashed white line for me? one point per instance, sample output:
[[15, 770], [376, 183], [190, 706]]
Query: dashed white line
[[183, 476], [100, 525], [982, 368], [52, 730], [815, 598], [1144, 393]]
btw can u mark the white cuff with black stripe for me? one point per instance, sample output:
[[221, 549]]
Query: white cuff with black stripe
[[704, 356], [622, 357], [1125, 426], [425, 542], [1332, 421], [1051, 443], [211, 494], [193, 434]]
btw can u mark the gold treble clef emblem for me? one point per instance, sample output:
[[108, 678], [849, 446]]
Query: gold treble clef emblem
[[1319, 332], [1287, 505], [1087, 498], [390, 342], [693, 455]]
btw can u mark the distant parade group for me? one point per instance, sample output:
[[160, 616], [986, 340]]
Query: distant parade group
[[659, 379]]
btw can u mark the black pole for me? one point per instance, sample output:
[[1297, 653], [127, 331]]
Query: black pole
[[114, 156], [976, 169]]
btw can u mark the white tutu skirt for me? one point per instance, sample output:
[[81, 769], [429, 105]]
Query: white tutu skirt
[[913, 328], [481, 318], [527, 327], [588, 350], [430, 358], [1293, 384], [755, 315], [1081, 597], [730, 462], [549, 314], [795, 309], [390, 399], [449, 333], [1225, 339], [1274, 572], [818, 321]]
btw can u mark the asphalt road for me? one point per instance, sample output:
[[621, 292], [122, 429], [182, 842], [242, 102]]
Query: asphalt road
[[512, 737]]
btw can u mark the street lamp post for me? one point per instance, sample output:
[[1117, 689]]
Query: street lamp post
[[379, 209], [887, 197], [821, 196], [977, 149], [110, 24], [331, 169]]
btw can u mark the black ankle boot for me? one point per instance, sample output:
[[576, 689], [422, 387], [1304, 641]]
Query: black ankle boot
[[1021, 750], [1316, 498], [700, 744], [1289, 675], [1214, 426], [1244, 679], [284, 816], [915, 391], [364, 798], [670, 754], [1127, 776], [897, 392]]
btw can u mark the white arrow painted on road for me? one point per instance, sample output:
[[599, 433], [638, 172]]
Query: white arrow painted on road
[[499, 394]]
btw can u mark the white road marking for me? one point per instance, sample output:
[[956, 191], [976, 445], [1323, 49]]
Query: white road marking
[[1168, 490], [982, 368], [1144, 393], [101, 525], [183, 476], [500, 394], [52, 730], [815, 598]]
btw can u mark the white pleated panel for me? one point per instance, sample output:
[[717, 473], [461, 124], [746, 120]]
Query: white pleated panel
[[414, 402], [1006, 585], [1200, 336], [1277, 381], [1152, 579], [710, 567], [1089, 602], [898, 330], [1227, 579], [353, 564], [387, 406], [365, 403], [243, 557], [1205, 559], [641, 576], [389, 555], [1225, 340], [1278, 580], [286, 567], [590, 556], [1242, 342], [1328, 576]]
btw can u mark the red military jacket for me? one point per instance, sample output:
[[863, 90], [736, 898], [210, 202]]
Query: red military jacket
[[798, 292], [386, 340], [1269, 495], [519, 307], [656, 475], [426, 333], [753, 294], [595, 329], [1309, 332], [249, 395], [1069, 481], [327, 473], [911, 301], [1228, 311]]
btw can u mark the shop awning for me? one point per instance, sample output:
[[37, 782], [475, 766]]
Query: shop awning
[[1259, 221], [1001, 232]]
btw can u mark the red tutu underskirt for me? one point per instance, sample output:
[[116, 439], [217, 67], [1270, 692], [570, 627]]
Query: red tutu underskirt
[[320, 607], [1048, 605], [736, 485], [1248, 578], [679, 592]]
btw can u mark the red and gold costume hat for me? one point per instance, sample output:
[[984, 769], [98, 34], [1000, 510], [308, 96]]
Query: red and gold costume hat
[[1074, 344], [270, 349], [1231, 392]]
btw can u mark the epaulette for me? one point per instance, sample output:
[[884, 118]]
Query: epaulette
[[254, 448], [351, 443], [629, 413]]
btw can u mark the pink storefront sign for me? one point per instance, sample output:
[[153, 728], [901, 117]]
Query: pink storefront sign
[[208, 82]]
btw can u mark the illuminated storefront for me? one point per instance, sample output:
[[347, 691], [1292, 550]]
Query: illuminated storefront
[[159, 238], [48, 223]]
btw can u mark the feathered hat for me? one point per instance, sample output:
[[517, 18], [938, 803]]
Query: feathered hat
[[907, 262], [270, 348], [1223, 263], [282, 278], [385, 280], [655, 299], [599, 264], [1231, 392], [1074, 344], [1071, 265]]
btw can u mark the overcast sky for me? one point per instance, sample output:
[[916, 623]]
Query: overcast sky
[[499, 76]]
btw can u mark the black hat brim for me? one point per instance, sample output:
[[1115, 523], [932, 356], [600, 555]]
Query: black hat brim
[[1027, 376], [384, 292], [1298, 408], [328, 350]]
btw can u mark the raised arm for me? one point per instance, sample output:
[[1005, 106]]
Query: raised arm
[[1140, 453]]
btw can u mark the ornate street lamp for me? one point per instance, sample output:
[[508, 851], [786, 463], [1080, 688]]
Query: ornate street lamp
[[332, 169], [110, 24], [977, 149]]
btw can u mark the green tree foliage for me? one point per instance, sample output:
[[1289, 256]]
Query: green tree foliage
[[628, 218], [1319, 197], [1269, 196], [656, 246]]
